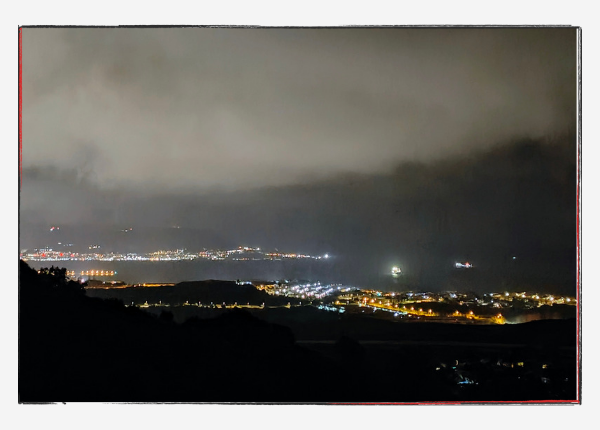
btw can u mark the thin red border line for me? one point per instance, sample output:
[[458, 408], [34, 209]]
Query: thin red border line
[[466, 402], [20, 105]]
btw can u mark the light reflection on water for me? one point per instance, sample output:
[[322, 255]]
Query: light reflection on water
[[178, 271]]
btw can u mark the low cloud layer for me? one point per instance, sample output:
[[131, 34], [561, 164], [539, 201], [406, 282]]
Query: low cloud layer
[[513, 200]]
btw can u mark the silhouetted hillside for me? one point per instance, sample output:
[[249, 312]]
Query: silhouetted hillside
[[76, 348]]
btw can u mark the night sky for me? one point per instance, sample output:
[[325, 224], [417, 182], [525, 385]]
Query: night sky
[[417, 147]]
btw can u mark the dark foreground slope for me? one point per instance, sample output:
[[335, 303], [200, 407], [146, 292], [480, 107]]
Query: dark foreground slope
[[76, 348]]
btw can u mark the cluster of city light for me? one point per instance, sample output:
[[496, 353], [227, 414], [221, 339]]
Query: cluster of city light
[[93, 273], [340, 310], [240, 254], [400, 305], [484, 309], [170, 255], [52, 255], [314, 290], [530, 300], [276, 255], [466, 265]]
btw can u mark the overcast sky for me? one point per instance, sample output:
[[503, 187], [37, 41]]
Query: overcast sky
[[199, 108]]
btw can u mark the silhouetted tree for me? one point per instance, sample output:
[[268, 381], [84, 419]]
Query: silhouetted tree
[[56, 277]]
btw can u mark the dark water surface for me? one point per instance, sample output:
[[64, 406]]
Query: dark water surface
[[354, 273], [178, 271]]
